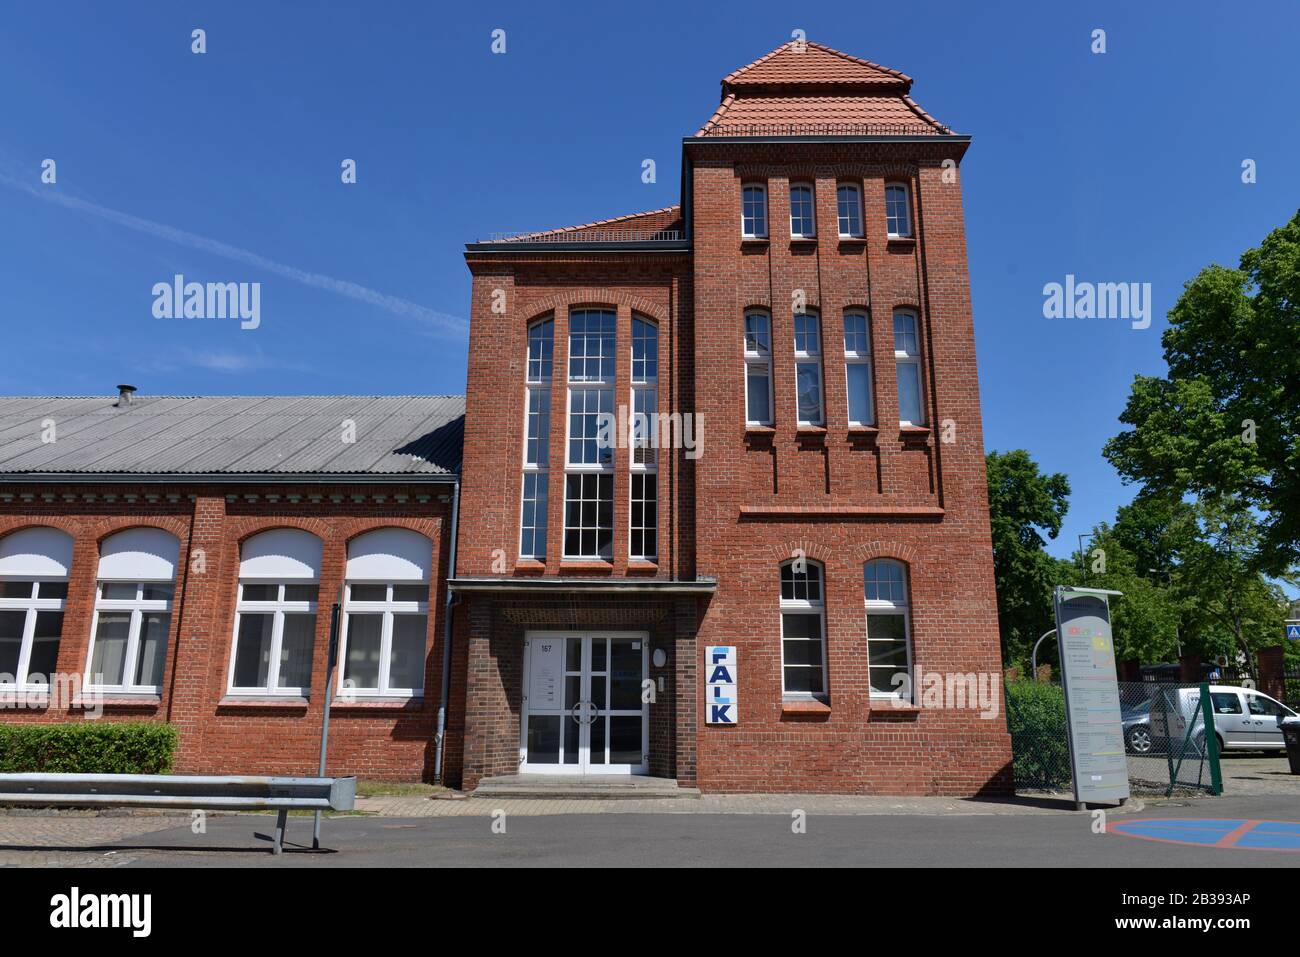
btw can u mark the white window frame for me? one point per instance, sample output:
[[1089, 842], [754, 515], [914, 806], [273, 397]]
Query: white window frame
[[890, 607], [599, 555], [804, 357], [32, 606], [389, 608], [137, 607], [897, 214], [809, 607], [909, 357], [604, 464], [799, 187], [747, 230], [758, 358], [278, 609], [856, 211], [537, 383], [858, 353], [643, 457]]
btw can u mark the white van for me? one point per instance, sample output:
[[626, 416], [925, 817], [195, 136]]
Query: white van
[[1244, 719]]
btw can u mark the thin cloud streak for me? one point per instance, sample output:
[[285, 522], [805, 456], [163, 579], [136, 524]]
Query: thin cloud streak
[[444, 323]]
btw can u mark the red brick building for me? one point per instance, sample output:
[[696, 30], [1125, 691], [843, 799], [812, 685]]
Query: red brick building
[[718, 510], [807, 309]]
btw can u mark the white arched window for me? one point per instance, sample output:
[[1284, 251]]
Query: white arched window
[[134, 589], [34, 565], [808, 368], [907, 364], [803, 219], [803, 630], [889, 646], [848, 200], [898, 212], [758, 368], [537, 439], [275, 615], [753, 211], [386, 625], [643, 502]]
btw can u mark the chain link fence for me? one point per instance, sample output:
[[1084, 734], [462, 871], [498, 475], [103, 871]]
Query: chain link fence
[[1164, 737]]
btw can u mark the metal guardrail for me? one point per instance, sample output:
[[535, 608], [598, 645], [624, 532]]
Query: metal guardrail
[[594, 234], [199, 792]]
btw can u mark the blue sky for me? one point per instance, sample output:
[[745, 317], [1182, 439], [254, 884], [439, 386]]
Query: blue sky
[[1116, 167]]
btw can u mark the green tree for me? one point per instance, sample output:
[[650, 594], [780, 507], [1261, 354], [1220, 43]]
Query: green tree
[[1145, 620], [1231, 609], [1024, 505], [1225, 422]]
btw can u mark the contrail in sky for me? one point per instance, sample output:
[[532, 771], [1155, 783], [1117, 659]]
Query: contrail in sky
[[444, 323]]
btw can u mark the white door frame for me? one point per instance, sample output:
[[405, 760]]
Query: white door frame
[[585, 712]]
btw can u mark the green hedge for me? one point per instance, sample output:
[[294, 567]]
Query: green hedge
[[88, 747], [1039, 739]]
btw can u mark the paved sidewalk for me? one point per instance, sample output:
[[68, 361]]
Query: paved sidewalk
[[785, 804], [75, 838]]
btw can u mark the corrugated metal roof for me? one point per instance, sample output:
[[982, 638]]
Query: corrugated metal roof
[[232, 435]]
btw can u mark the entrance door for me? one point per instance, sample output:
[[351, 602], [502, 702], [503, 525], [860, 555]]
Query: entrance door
[[583, 711]]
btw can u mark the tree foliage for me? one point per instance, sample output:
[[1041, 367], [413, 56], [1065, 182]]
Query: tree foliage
[[1225, 421]]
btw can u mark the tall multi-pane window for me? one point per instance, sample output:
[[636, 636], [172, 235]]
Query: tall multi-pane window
[[803, 221], [849, 202], [34, 565], [898, 213], [643, 462], [133, 610], [386, 620], [589, 451], [758, 368], [537, 435], [889, 654], [753, 211], [808, 368], [857, 367], [803, 631], [907, 360], [275, 613]]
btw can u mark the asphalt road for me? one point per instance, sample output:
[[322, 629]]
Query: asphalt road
[[699, 840]]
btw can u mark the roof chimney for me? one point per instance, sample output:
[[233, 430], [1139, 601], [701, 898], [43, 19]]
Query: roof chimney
[[125, 393]]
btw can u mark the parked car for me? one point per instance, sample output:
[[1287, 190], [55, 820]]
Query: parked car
[[1244, 720]]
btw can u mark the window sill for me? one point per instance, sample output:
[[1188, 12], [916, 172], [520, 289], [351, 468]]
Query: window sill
[[901, 242], [810, 429], [853, 240], [261, 701], [641, 566], [863, 430], [913, 433], [379, 703], [26, 698], [529, 566], [119, 699], [805, 707], [803, 240], [886, 704], [578, 565], [754, 241]]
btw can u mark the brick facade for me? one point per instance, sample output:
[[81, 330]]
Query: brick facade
[[218, 734], [754, 498]]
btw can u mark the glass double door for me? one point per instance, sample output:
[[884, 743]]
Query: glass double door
[[583, 707]]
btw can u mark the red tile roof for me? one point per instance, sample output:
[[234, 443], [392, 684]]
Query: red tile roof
[[808, 89], [663, 223]]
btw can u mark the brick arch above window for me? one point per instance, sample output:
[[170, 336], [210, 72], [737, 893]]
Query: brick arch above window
[[784, 552], [907, 554], [598, 298]]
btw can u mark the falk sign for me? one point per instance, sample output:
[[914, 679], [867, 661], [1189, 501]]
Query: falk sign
[[1092, 712], [720, 682]]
